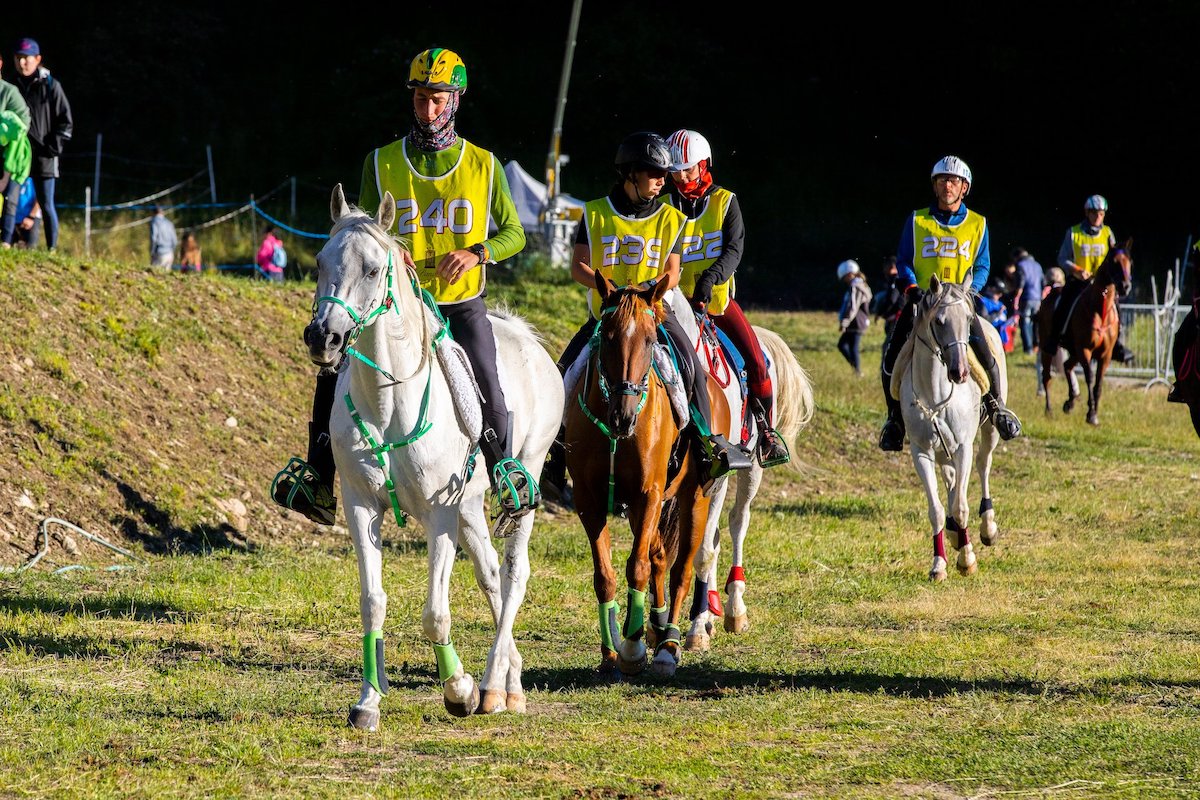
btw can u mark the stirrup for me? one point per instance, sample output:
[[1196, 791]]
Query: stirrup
[[891, 438], [297, 487], [1004, 421], [772, 451], [516, 493]]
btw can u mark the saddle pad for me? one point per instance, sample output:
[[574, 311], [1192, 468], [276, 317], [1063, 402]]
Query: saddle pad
[[978, 373], [463, 388]]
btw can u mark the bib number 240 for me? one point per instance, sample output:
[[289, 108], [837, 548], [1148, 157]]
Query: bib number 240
[[455, 215]]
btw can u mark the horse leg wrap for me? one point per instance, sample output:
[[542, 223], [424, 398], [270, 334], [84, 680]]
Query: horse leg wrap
[[608, 624], [670, 634], [635, 619], [699, 599], [735, 574], [447, 660], [939, 544], [659, 619], [985, 505], [373, 661], [959, 531]]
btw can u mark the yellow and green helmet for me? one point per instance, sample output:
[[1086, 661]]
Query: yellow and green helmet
[[439, 69]]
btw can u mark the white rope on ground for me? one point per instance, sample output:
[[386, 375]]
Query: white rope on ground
[[125, 225], [219, 219], [71, 567]]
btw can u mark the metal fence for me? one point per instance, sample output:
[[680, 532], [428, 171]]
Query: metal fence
[[1148, 331]]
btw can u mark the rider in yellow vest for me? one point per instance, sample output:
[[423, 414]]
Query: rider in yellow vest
[[445, 188], [713, 243], [632, 239], [949, 240], [1083, 250]]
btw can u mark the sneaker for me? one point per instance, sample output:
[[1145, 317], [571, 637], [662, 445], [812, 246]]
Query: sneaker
[[299, 488]]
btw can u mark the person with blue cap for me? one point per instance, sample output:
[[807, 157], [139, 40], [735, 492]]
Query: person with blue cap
[[50, 127]]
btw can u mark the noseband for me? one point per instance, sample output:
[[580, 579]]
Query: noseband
[[938, 349]]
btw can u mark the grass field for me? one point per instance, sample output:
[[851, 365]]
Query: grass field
[[1068, 666]]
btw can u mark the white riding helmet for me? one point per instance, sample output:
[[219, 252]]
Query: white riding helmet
[[688, 149], [1095, 203], [953, 165], [847, 267]]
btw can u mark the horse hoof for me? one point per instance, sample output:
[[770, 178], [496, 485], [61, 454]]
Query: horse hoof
[[365, 719], [1091, 420], [463, 709], [937, 575], [1067, 406], [515, 703], [663, 667], [970, 568], [651, 637], [697, 642], [631, 667], [493, 702], [736, 623], [708, 628]]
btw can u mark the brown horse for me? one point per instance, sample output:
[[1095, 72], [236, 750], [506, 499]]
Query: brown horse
[[625, 452], [1091, 330]]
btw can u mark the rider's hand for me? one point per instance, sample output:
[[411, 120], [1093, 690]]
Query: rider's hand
[[455, 263], [913, 293], [699, 306], [702, 293], [408, 259]]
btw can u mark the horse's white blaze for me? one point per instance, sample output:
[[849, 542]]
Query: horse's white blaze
[[430, 473], [631, 329]]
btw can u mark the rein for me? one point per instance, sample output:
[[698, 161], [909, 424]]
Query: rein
[[937, 349], [428, 344]]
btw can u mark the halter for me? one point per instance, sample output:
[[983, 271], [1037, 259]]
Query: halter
[[938, 350], [627, 388], [361, 323]]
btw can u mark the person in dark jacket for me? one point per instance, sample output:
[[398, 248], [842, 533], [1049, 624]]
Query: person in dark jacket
[[50, 127]]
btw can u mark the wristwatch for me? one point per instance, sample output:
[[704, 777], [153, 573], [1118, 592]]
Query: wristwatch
[[479, 250]]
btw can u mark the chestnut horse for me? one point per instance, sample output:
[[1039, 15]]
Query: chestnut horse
[[1091, 329], [624, 449]]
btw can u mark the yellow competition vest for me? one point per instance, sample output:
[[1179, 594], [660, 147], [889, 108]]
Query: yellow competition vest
[[1090, 250], [627, 250], [439, 215], [947, 251], [703, 243]]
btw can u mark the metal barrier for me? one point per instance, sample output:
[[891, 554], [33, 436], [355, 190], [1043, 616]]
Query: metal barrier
[[1148, 331]]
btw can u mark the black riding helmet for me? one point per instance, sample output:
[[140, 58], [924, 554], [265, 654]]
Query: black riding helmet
[[643, 150]]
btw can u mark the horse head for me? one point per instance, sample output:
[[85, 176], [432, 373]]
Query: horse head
[[354, 278], [946, 314], [629, 320], [1117, 269]]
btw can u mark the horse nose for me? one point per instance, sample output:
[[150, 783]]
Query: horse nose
[[321, 341]]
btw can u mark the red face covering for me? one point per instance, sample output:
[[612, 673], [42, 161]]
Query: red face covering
[[694, 190]]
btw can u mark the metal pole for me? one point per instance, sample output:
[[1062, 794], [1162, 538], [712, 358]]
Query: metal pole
[[212, 178], [293, 199], [552, 160], [96, 179], [87, 220]]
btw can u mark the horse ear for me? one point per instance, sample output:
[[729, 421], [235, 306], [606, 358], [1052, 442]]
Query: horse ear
[[934, 284], [387, 211], [1129, 245], [660, 289], [603, 285], [338, 207]]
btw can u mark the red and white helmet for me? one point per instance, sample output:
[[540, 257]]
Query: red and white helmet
[[688, 148]]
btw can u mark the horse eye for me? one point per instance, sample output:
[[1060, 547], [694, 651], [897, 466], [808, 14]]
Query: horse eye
[[373, 273]]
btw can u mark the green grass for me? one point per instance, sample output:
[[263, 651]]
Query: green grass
[[1067, 666]]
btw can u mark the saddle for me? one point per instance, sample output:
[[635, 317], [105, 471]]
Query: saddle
[[978, 373], [717, 346]]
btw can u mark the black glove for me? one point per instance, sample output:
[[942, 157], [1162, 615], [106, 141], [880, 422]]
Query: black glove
[[702, 293], [913, 294]]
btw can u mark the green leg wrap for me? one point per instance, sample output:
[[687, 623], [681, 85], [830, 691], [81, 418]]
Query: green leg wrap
[[608, 624], [635, 620], [373, 661], [447, 660]]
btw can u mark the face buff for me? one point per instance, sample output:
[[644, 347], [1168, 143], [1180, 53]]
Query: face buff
[[439, 134], [694, 190]]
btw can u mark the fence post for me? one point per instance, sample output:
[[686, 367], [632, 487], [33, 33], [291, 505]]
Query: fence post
[[96, 179], [87, 220], [212, 178], [293, 217]]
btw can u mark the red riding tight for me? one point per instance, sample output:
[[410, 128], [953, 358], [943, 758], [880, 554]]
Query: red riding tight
[[734, 324]]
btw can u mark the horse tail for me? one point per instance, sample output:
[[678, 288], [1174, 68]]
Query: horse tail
[[794, 403], [503, 316]]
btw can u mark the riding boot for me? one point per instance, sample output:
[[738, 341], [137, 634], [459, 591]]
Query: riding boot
[[306, 487], [1005, 421], [772, 450], [891, 438], [513, 487]]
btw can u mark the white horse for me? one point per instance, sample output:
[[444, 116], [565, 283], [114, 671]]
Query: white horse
[[943, 415], [793, 410], [402, 446]]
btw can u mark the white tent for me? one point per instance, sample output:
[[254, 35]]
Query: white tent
[[529, 195]]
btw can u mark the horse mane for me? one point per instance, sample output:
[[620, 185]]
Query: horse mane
[[626, 306]]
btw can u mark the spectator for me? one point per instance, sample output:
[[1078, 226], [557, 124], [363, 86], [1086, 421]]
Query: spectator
[[50, 127], [162, 240], [888, 301], [189, 257], [852, 318], [990, 305], [1031, 281], [1010, 285], [269, 256], [17, 155], [28, 217]]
